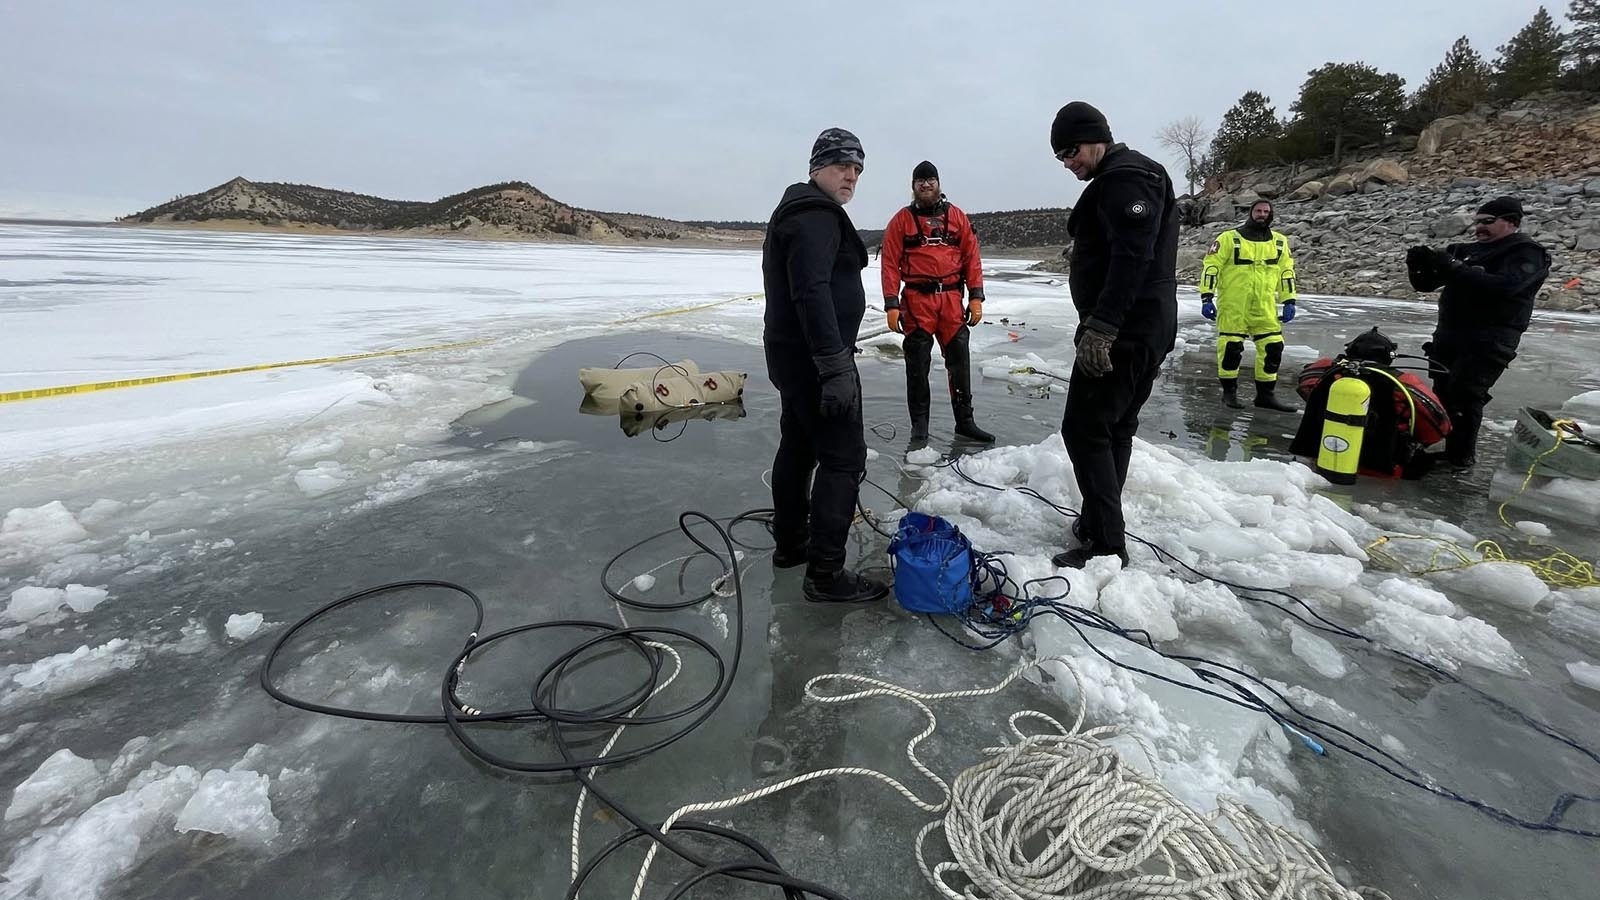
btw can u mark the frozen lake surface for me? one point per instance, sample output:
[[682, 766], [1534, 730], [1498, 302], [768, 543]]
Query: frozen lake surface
[[156, 540]]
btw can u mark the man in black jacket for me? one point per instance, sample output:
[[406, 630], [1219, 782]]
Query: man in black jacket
[[1489, 288], [1123, 278], [811, 262]]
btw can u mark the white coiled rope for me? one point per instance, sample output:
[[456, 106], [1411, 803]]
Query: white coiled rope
[[1059, 815]]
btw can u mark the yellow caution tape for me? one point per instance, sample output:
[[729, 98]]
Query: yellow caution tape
[[91, 387], [685, 309], [68, 389]]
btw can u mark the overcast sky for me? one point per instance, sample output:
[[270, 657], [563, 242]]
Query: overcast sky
[[679, 108]]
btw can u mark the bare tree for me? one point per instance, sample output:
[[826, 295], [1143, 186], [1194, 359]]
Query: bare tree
[[1187, 137]]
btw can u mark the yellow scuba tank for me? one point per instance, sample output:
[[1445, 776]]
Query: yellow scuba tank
[[1344, 423]]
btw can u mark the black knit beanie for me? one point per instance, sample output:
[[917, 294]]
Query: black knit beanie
[[1078, 123], [923, 170], [1503, 208]]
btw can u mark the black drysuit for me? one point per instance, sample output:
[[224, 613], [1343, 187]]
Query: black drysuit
[[1487, 300], [811, 264], [1123, 278]]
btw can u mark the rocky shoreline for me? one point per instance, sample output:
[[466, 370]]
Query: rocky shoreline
[[1350, 225]]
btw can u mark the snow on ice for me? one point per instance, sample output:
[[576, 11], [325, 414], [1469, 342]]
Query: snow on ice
[[1257, 523], [1586, 674], [243, 626]]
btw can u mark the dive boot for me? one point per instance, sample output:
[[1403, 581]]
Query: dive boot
[[969, 429], [1230, 393], [1078, 557], [842, 586], [789, 557], [958, 366], [919, 361], [1267, 397]]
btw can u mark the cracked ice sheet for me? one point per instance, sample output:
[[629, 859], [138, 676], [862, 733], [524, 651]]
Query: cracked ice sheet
[[97, 823], [1259, 523], [167, 461]]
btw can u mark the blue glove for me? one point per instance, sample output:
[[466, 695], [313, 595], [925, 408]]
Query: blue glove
[[1288, 311], [1207, 307]]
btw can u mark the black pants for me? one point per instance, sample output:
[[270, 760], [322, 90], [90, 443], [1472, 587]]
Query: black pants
[[1474, 366], [811, 509], [1098, 426], [918, 347]]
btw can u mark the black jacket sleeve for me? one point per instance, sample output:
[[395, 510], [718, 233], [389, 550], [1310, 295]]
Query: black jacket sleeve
[[1520, 269], [812, 240], [1130, 209], [1422, 272]]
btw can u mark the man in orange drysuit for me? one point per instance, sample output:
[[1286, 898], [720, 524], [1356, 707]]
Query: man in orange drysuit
[[931, 248]]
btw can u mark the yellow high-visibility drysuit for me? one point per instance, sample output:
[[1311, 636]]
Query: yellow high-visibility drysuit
[[1248, 279]]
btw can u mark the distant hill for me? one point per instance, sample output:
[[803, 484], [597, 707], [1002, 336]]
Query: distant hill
[[729, 226], [1009, 229], [515, 209], [1022, 227], [511, 209]]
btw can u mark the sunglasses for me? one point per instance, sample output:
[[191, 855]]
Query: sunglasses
[[1487, 220], [925, 181], [1068, 153]]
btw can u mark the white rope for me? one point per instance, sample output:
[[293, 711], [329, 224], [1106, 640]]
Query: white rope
[[722, 587], [873, 688], [583, 793], [1060, 816]]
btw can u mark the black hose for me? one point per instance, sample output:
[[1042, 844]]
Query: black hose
[[626, 709]]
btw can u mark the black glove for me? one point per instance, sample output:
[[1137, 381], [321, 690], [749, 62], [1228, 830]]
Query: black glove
[[1419, 256], [1094, 351], [841, 388]]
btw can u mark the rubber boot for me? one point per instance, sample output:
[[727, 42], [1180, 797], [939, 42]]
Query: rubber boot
[[1078, 557], [1230, 393], [1267, 398], [918, 347], [842, 586], [958, 365]]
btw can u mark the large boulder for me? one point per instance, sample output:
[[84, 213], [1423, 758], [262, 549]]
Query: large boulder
[[1223, 208], [1343, 183], [1443, 132], [1311, 190], [1383, 171]]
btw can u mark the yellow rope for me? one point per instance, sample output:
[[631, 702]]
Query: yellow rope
[[1559, 569], [91, 387], [68, 389], [1560, 426]]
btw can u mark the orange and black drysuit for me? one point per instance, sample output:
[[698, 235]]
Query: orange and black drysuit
[[933, 252]]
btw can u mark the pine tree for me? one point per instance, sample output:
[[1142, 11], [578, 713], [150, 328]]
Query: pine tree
[[1246, 133], [1342, 103], [1583, 45], [1531, 60], [1454, 86]]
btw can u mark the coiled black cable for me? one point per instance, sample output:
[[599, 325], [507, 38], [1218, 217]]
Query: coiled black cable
[[626, 709]]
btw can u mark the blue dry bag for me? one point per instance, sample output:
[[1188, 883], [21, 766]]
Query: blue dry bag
[[932, 563]]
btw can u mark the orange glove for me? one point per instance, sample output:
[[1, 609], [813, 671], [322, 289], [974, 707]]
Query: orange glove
[[894, 321], [974, 312]]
